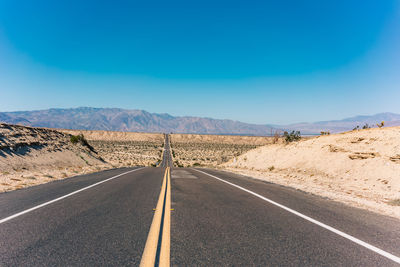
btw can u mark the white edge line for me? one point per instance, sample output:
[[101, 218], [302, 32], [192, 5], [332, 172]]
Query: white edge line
[[62, 197], [342, 234]]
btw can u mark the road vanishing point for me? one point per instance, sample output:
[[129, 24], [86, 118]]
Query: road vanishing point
[[163, 216]]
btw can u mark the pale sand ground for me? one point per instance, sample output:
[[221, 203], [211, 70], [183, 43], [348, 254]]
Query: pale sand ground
[[360, 168]]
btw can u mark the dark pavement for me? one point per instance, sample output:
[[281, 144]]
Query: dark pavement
[[215, 224], [104, 225], [167, 156]]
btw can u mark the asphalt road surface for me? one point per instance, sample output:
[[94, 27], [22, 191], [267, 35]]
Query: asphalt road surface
[[216, 224], [167, 156], [213, 223]]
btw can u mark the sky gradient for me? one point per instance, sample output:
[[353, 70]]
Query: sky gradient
[[254, 61]]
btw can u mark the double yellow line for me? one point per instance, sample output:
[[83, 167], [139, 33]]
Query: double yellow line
[[160, 228]]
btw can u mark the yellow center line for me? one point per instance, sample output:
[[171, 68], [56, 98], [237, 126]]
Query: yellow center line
[[166, 237], [150, 250]]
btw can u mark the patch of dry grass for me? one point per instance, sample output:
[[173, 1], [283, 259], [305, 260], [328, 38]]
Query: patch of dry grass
[[394, 202]]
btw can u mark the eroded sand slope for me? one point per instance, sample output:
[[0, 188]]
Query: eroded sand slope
[[30, 156], [359, 167]]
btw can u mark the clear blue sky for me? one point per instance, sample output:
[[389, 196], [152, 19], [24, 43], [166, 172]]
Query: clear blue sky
[[253, 61]]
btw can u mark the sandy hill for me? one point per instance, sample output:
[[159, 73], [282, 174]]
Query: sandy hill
[[31, 156], [358, 167]]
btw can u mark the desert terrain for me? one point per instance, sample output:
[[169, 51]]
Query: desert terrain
[[195, 150], [360, 168], [31, 156], [122, 149]]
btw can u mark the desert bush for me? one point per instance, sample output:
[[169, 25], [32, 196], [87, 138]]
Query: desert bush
[[394, 202], [356, 128], [366, 126], [271, 168], [276, 137], [78, 138], [291, 137], [380, 125], [177, 164], [325, 133], [75, 139], [81, 139]]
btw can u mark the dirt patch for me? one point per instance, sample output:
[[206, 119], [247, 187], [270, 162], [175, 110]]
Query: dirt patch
[[395, 158], [363, 155]]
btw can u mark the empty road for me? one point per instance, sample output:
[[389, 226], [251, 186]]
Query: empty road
[[216, 219]]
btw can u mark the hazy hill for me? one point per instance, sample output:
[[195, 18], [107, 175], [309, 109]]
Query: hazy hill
[[335, 126], [114, 119]]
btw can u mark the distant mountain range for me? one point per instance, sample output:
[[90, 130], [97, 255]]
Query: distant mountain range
[[114, 119], [336, 126]]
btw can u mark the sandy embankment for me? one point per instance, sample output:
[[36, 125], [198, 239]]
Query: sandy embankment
[[361, 168], [31, 156]]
